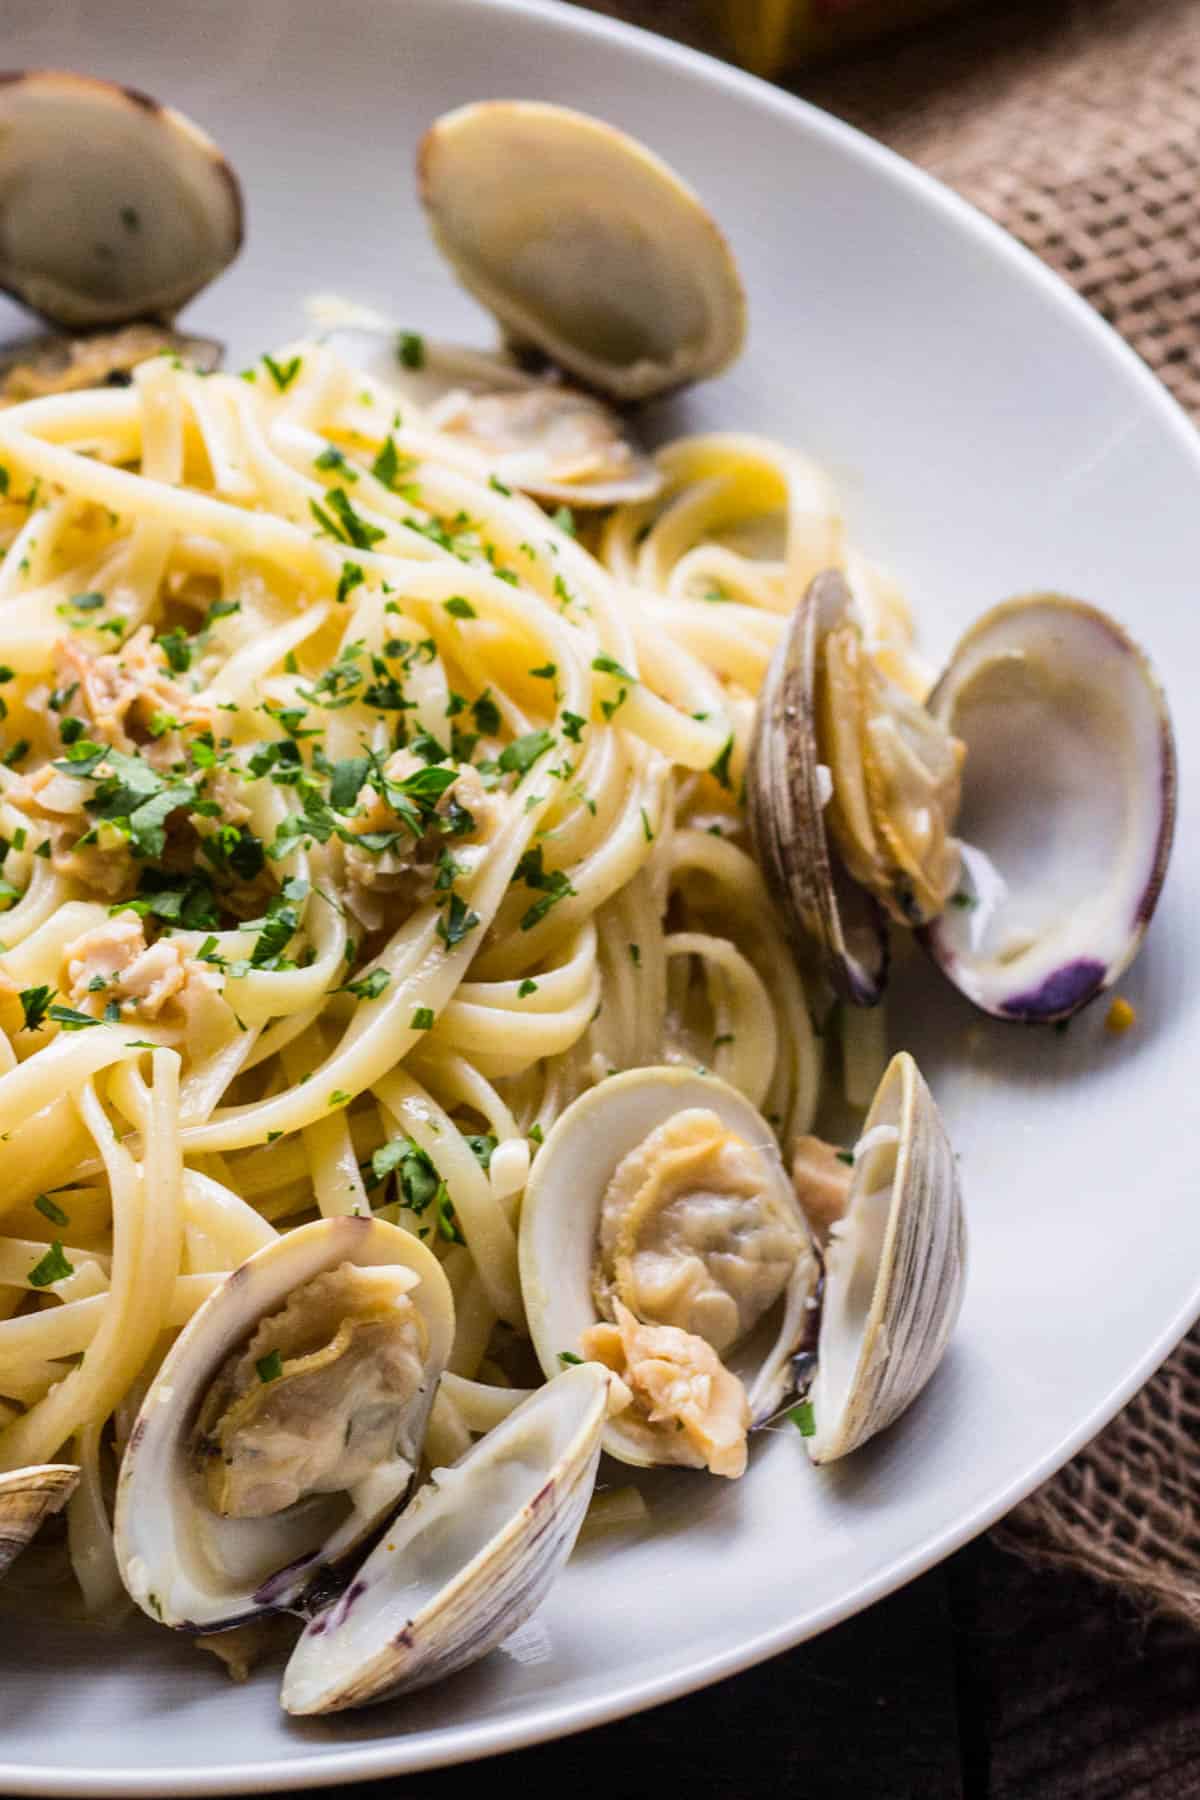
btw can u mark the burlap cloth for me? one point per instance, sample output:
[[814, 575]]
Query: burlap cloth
[[1077, 126]]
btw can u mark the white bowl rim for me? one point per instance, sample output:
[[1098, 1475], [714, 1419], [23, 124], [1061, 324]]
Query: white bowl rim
[[538, 1724]]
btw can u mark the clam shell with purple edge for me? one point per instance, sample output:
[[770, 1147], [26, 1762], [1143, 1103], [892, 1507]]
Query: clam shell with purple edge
[[468, 1560], [1068, 807]]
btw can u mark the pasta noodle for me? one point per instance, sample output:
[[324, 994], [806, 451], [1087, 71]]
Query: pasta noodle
[[357, 816]]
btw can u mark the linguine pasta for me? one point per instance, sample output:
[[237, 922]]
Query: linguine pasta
[[358, 816]]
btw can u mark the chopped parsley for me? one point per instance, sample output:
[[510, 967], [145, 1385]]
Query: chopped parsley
[[535, 1133], [459, 607], [523, 752], [569, 1360], [350, 578], [720, 768], [456, 922], [410, 349], [802, 1418], [415, 1174], [481, 1146], [497, 486], [552, 886], [51, 1210], [564, 518], [367, 987], [526, 988], [342, 523], [52, 1267], [847, 1157], [389, 465], [35, 1003], [270, 1366], [283, 374], [422, 1019], [71, 1019]]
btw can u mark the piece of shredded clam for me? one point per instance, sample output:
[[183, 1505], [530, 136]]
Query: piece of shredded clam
[[313, 1403], [822, 1176], [896, 782], [679, 1384]]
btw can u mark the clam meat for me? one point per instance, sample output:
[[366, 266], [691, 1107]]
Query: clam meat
[[285, 1424], [661, 1235], [532, 432]]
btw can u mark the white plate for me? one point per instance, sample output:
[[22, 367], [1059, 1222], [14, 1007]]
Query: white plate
[[990, 436]]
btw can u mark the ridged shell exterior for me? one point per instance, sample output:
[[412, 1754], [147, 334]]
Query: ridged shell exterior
[[1128, 755], [27, 1499], [560, 1218], [88, 158], [502, 1578], [161, 1526], [921, 1274], [571, 232], [787, 810]]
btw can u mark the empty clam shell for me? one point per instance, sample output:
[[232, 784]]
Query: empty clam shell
[[895, 1267], [27, 1499], [1068, 807], [788, 788], [583, 244], [113, 207], [467, 1562]]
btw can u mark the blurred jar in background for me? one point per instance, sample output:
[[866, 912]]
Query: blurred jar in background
[[767, 35]]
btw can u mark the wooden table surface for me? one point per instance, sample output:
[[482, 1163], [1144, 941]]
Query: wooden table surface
[[984, 1680]]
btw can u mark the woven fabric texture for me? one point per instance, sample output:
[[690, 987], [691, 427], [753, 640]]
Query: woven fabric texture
[[1076, 124]]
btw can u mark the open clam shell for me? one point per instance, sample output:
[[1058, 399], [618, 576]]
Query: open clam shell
[[530, 432], [27, 1499], [1068, 807], [195, 1567], [113, 207], [584, 245], [734, 1229], [467, 1562], [62, 365], [788, 788], [895, 1268]]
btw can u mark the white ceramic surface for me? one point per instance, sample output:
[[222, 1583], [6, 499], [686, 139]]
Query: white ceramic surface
[[990, 436]]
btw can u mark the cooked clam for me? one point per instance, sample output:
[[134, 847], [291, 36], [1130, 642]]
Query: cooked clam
[[660, 1235], [1068, 806], [112, 206], [530, 432], [285, 1424], [583, 244], [468, 1560], [895, 1266], [852, 790], [61, 365], [27, 1499]]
